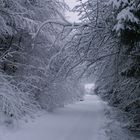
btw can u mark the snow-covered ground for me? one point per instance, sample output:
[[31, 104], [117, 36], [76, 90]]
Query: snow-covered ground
[[81, 121], [85, 120]]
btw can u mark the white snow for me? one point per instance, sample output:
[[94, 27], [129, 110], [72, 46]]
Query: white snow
[[85, 120], [81, 121]]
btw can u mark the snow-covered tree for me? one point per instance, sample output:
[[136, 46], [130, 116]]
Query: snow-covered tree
[[126, 18], [109, 48], [33, 57]]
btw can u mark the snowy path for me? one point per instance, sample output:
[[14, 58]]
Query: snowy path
[[81, 121]]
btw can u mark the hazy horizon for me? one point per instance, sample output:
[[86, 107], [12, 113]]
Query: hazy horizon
[[72, 16]]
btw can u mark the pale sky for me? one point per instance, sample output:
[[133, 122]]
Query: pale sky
[[71, 16]]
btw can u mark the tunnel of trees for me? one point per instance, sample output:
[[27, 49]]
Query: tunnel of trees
[[44, 59]]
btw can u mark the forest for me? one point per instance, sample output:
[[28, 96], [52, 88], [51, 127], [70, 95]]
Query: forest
[[46, 59]]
